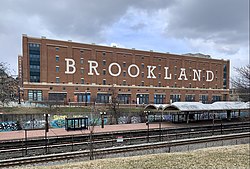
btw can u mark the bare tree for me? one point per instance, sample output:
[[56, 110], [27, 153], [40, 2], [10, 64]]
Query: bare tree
[[8, 85], [92, 125], [114, 104], [242, 82]]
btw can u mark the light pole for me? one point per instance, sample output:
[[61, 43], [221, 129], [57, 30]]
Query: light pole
[[160, 124], [213, 122], [147, 123], [46, 131], [102, 118]]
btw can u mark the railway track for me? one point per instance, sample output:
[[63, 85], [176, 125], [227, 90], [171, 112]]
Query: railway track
[[111, 141], [110, 135], [103, 152]]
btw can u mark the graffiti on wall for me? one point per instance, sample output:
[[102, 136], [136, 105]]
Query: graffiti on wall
[[135, 119], [34, 124], [9, 126], [58, 121]]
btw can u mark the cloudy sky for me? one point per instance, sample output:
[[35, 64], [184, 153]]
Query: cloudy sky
[[219, 28]]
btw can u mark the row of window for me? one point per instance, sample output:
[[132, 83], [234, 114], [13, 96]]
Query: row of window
[[124, 82], [36, 95], [34, 62]]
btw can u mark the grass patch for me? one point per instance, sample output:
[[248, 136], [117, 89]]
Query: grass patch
[[217, 157]]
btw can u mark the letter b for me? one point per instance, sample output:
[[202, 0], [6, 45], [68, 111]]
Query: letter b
[[70, 63]]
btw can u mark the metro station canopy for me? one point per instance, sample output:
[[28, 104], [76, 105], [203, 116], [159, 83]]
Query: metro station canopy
[[197, 106]]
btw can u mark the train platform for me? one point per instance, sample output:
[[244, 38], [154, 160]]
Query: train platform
[[59, 132], [20, 134]]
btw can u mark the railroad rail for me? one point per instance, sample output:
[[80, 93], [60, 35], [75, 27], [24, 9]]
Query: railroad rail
[[102, 152], [8, 144], [111, 141]]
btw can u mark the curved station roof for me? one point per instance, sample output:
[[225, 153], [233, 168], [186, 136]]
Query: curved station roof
[[197, 106]]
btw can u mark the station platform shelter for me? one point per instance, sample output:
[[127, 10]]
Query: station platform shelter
[[196, 111], [77, 123]]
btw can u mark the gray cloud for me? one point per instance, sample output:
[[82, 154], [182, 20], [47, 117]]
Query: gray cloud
[[222, 21], [76, 18], [138, 26], [79, 20]]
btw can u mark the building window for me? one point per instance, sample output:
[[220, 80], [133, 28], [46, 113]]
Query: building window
[[203, 99], [124, 98], [159, 67], [175, 98], [216, 98], [57, 68], [82, 97], [57, 48], [224, 76], [82, 80], [57, 58], [34, 62], [142, 98], [142, 74], [104, 62], [159, 75], [64, 88], [142, 65], [124, 83], [124, 64], [142, 83], [57, 80], [159, 84], [104, 81], [35, 95], [124, 74], [175, 84], [190, 98], [103, 53], [104, 72], [82, 71], [102, 98], [57, 96], [81, 61], [159, 99]]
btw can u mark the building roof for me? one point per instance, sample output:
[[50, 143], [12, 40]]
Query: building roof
[[197, 106]]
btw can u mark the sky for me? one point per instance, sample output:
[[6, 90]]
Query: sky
[[219, 28]]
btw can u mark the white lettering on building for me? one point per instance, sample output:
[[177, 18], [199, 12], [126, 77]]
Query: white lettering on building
[[70, 63], [93, 66], [150, 72], [137, 70], [183, 74], [196, 74], [212, 76], [110, 69], [167, 76], [93, 69]]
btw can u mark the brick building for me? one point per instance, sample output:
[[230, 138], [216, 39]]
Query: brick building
[[66, 71]]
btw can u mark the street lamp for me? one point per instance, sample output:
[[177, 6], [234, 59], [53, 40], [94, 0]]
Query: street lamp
[[147, 123], [102, 118], [46, 130]]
